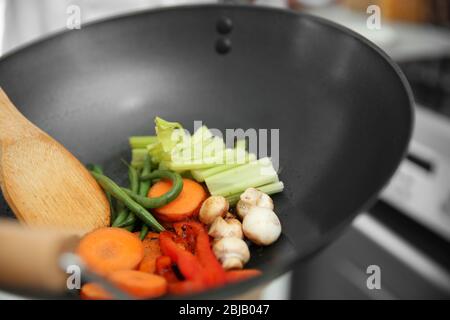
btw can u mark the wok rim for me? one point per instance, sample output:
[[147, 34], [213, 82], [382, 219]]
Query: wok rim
[[311, 248]]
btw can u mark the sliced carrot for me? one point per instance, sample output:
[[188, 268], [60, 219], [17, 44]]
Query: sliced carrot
[[110, 249], [151, 252], [148, 264], [93, 291], [241, 275], [139, 284], [186, 205]]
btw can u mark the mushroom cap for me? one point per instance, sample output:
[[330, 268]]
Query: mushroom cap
[[250, 198], [261, 226], [213, 207], [242, 208], [228, 250], [226, 228]]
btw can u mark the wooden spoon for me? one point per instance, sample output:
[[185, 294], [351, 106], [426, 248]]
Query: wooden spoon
[[42, 259], [43, 183]]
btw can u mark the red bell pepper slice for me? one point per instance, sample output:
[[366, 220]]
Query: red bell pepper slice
[[187, 263], [214, 272], [163, 267], [241, 275]]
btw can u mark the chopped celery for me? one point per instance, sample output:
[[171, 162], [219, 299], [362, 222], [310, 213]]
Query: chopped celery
[[268, 188], [155, 151], [140, 142], [202, 151], [201, 174], [235, 180], [138, 157], [176, 146], [241, 144], [226, 172], [215, 147], [196, 164], [201, 134], [163, 165], [168, 133], [214, 155]]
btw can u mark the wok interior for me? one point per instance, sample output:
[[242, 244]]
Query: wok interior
[[342, 111]]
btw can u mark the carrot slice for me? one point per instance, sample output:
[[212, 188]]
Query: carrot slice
[[92, 291], [139, 284], [186, 205], [241, 275], [151, 252], [106, 250]]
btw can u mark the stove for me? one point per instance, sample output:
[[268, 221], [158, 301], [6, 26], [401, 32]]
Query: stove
[[406, 234]]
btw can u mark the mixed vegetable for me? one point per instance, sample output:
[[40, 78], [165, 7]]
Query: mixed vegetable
[[203, 203]]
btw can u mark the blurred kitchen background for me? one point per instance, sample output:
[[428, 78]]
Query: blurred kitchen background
[[407, 232]]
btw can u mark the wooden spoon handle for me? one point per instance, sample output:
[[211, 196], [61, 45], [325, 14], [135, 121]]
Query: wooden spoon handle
[[29, 258], [12, 123]]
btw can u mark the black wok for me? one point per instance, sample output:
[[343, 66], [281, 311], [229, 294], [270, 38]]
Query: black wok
[[342, 106]]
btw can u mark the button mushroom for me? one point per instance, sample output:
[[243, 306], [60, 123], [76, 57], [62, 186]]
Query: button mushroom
[[213, 207], [250, 198], [261, 226], [226, 228], [233, 253]]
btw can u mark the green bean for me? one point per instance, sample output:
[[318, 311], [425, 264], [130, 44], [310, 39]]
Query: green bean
[[97, 168], [129, 228], [177, 186], [122, 214], [110, 186], [94, 167], [144, 232], [129, 221], [133, 177], [133, 180], [150, 203], [144, 186]]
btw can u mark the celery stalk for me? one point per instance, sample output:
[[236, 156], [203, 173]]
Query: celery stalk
[[200, 175], [214, 155], [140, 142], [241, 144], [138, 157], [200, 151], [269, 189], [163, 165], [155, 151], [194, 164], [215, 147], [168, 133], [201, 134], [215, 158], [254, 174]]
